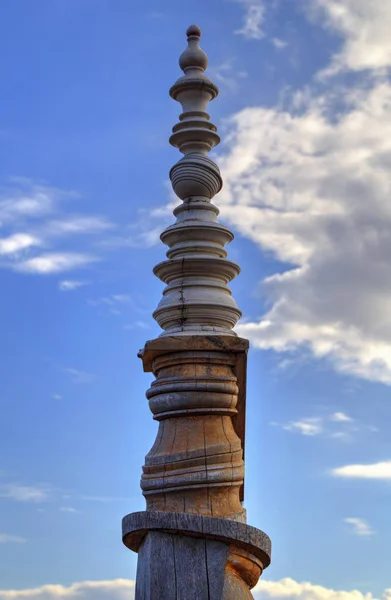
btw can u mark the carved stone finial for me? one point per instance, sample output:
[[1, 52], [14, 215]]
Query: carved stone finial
[[193, 57], [197, 298]]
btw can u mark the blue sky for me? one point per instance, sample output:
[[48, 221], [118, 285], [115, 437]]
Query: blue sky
[[85, 116]]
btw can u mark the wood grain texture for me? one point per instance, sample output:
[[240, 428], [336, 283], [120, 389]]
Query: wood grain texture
[[175, 567], [177, 343], [199, 397], [135, 526]]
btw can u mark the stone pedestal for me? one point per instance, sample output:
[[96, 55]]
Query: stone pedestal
[[190, 557]]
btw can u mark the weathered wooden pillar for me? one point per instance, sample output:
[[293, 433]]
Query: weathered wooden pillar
[[193, 541]]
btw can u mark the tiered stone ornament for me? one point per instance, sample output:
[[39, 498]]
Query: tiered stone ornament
[[193, 541]]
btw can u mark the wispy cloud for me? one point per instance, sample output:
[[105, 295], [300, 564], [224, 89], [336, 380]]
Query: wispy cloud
[[145, 231], [312, 426], [35, 224], [227, 75], [380, 470], [17, 242], [57, 397], [5, 538], [138, 325], [23, 199], [78, 225], [359, 527], [78, 376], [340, 417], [25, 493], [113, 303], [254, 15], [279, 44], [325, 425], [104, 499], [46, 264], [67, 501], [68, 285]]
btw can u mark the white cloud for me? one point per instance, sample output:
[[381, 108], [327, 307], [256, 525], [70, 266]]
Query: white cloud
[[118, 589], [381, 470], [123, 589], [68, 285], [104, 499], [17, 242], [32, 217], [228, 75], [23, 199], [311, 426], [78, 224], [118, 298], [359, 526], [138, 325], [290, 589], [279, 44], [341, 417], [341, 435], [144, 232], [113, 303], [5, 538], [312, 187], [24, 493], [364, 28], [58, 262], [253, 19], [143, 237], [57, 397], [79, 376], [68, 509]]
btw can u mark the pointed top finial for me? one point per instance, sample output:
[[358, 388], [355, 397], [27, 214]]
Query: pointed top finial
[[193, 57]]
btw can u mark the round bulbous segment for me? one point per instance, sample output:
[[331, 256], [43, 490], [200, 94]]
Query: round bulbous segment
[[195, 175], [193, 56], [196, 463]]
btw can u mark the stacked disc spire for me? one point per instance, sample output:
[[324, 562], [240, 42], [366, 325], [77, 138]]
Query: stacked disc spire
[[197, 272]]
